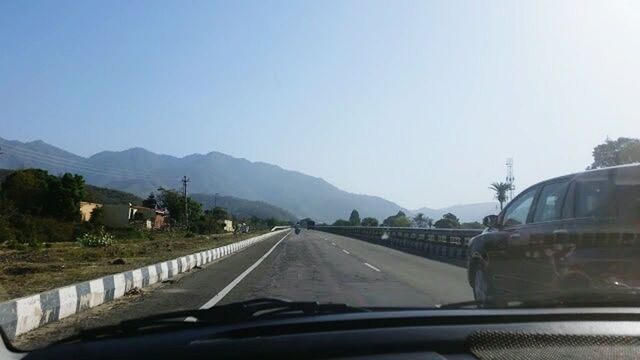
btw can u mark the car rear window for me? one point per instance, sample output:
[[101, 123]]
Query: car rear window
[[614, 194]]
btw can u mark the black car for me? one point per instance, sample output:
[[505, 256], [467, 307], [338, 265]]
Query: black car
[[575, 231]]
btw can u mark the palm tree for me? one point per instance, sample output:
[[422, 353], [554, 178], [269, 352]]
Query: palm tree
[[501, 191]]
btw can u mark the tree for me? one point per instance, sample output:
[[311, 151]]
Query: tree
[[369, 221], [213, 220], [354, 218], [429, 222], [397, 220], [27, 190], [472, 225], [342, 222], [448, 221], [150, 201], [616, 152], [420, 220], [64, 196], [35, 192], [174, 202], [97, 216], [452, 218], [501, 189]]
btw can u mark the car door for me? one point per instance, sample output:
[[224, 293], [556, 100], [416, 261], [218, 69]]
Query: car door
[[508, 242], [604, 212], [548, 235]]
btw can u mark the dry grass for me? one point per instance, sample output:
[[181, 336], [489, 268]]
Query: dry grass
[[32, 271]]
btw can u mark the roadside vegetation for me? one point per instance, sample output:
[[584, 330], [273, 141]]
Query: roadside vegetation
[[44, 243], [448, 221], [29, 271]]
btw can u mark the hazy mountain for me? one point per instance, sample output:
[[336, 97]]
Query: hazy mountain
[[244, 209], [140, 171], [466, 212]]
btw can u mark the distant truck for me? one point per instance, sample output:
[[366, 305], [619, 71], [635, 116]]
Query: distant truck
[[307, 223]]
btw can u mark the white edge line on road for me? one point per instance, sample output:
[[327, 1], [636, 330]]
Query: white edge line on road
[[373, 267], [345, 251], [332, 243], [219, 296]]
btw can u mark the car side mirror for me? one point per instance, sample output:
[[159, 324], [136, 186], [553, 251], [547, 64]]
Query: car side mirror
[[490, 221]]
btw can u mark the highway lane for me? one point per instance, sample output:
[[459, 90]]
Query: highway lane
[[312, 266], [325, 267]]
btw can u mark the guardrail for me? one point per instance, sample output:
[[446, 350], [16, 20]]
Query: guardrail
[[444, 243]]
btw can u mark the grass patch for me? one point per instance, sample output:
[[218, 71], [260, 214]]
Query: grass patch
[[26, 272]]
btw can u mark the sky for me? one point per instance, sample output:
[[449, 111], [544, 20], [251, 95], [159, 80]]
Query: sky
[[419, 102]]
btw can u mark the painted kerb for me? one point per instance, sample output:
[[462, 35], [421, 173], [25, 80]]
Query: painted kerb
[[21, 315]]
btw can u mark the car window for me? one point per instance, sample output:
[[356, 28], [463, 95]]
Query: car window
[[549, 205], [592, 199], [516, 213]]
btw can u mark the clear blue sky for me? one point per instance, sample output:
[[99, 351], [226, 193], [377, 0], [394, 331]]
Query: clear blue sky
[[418, 102]]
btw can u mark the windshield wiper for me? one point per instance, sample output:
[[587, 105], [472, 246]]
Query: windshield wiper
[[608, 297], [250, 310]]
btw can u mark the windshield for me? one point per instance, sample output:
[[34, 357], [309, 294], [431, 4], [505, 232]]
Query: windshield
[[160, 157]]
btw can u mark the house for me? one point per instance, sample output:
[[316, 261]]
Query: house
[[228, 225], [116, 215], [86, 208], [123, 215], [161, 220]]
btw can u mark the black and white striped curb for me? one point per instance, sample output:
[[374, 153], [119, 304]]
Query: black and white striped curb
[[21, 315]]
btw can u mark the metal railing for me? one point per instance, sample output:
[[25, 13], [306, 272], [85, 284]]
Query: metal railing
[[446, 243]]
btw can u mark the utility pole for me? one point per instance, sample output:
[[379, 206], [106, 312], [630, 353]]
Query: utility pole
[[185, 180], [215, 200]]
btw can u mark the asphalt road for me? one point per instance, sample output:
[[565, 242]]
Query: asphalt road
[[310, 266]]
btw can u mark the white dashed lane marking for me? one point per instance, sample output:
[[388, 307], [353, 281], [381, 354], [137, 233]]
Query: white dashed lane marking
[[372, 267], [345, 251]]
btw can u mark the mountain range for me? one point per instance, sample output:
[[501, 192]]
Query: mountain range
[[465, 212], [140, 172]]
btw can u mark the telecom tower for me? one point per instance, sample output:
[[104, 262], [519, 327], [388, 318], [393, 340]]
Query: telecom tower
[[510, 178]]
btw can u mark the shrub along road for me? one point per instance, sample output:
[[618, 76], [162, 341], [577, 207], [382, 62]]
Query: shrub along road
[[26, 272]]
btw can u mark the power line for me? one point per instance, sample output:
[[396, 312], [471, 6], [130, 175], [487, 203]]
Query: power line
[[78, 166], [72, 163]]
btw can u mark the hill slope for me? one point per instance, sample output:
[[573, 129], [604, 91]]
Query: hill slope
[[466, 212], [140, 171], [244, 209]]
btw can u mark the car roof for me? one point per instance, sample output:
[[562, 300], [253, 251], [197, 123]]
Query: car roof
[[590, 171]]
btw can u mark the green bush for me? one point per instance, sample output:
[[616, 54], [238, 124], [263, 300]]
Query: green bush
[[145, 234], [7, 234], [99, 239], [54, 231]]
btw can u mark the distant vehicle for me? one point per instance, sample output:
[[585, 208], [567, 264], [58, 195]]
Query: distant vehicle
[[579, 231], [297, 229], [307, 223]]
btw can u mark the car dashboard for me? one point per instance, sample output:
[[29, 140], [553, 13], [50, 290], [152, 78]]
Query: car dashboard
[[425, 334]]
